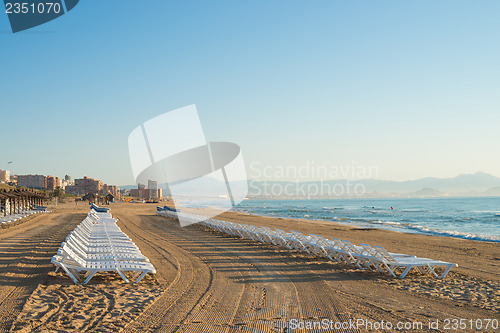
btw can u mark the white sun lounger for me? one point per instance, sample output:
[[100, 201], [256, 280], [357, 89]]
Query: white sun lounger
[[73, 265], [343, 251], [96, 252], [97, 244], [423, 265]]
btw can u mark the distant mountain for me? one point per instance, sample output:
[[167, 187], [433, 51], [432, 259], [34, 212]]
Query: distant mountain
[[494, 191], [477, 184], [127, 187], [428, 192]]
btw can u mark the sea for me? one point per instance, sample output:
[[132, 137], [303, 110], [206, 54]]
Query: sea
[[475, 218]]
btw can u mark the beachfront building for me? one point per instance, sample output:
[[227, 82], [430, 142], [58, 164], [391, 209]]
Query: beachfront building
[[152, 192], [139, 192], [152, 189], [32, 181], [13, 180], [71, 189], [64, 184], [135, 193], [53, 182], [84, 186], [4, 176], [113, 189]]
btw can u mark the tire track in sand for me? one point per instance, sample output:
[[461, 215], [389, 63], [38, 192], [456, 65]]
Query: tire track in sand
[[217, 295], [181, 287], [25, 260], [266, 305]]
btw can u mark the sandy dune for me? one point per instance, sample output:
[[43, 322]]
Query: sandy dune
[[208, 282]]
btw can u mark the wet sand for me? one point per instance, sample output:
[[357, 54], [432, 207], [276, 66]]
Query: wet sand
[[209, 282]]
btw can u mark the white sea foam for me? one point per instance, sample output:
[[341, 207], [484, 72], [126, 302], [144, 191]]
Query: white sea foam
[[437, 232], [462, 218]]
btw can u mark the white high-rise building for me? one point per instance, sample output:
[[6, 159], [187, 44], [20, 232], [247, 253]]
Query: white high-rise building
[[153, 189]]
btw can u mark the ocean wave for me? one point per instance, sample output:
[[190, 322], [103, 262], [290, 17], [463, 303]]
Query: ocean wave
[[484, 211], [437, 232], [417, 225], [462, 235], [386, 222], [414, 210]]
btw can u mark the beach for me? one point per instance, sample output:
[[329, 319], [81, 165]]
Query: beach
[[210, 282]]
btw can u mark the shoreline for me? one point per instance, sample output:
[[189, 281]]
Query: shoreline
[[450, 249], [437, 233]]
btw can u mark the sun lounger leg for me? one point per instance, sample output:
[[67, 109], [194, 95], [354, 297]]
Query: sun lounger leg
[[91, 275], [350, 260], [390, 269], [445, 272], [140, 277], [122, 275], [75, 280], [424, 269], [360, 264], [75, 273], [380, 268], [329, 256], [402, 276]]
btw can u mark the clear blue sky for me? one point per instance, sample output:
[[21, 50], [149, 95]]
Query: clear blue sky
[[410, 87]]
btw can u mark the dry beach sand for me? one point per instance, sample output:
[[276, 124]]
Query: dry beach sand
[[209, 282]]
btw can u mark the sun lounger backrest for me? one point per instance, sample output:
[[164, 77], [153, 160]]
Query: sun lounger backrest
[[78, 250], [71, 254], [319, 240], [73, 243], [350, 247], [338, 243], [384, 254], [368, 250]]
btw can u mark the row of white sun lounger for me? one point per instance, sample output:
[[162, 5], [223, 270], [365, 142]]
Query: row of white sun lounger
[[97, 244], [362, 256], [20, 215]]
